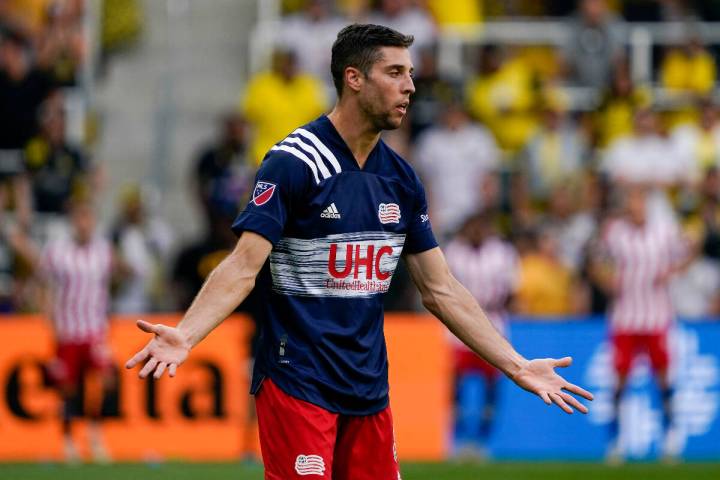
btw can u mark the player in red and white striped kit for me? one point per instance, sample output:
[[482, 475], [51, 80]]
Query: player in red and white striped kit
[[76, 273], [637, 259], [488, 267]]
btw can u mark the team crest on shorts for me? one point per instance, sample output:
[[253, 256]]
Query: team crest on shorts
[[263, 193], [310, 465], [389, 213]]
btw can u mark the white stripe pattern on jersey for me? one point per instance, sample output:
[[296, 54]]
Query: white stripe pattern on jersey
[[80, 279], [302, 266], [311, 150], [639, 255], [298, 154], [320, 146]]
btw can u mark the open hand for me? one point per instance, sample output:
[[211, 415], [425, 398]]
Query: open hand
[[167, 350], [538, 376]]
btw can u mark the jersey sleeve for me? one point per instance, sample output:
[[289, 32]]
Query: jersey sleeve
[[281, 182], [420, 236]]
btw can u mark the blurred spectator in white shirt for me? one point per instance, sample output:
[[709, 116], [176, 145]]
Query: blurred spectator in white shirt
[[143, 242], [405, 17], [699, 145], [648, 159], [311, 34], [574, 227], [458, 160]]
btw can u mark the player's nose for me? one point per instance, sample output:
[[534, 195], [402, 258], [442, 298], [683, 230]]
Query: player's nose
[[408, 86]]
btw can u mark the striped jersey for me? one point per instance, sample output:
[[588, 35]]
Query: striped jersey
[[639, 255], [338, 232], [489, 272], [79, 278]]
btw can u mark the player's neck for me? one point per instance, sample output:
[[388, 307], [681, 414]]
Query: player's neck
[[359, 135]]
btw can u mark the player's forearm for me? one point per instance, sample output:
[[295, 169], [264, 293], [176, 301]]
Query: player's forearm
[[226, 287], [459, 311]]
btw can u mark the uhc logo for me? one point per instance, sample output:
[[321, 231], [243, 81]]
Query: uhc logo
[[357, 256], [357, 264]]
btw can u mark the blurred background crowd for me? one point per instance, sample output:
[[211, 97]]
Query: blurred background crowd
[[527, 119]]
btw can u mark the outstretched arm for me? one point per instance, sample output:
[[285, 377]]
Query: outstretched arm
[[448, 300], [226, 287]]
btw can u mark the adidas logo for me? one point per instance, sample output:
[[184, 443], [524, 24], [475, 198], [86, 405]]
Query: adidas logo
[[330, 212]]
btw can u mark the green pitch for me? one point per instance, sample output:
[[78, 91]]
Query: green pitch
[[411, 471]]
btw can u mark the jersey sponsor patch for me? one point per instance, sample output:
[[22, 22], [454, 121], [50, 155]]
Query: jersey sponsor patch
[[343, 265], [263, 193], [310, 465], [389, 213]]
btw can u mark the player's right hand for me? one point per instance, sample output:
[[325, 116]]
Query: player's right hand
[[166, 351]]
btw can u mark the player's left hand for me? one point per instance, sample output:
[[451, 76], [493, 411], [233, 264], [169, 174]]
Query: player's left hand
[[538, 376]]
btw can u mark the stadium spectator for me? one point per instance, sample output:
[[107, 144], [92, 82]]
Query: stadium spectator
[[459, 161], [195, 261], [276, 101], [143, 241], [318, 17], [557, 153], [595, 45], [76, 273], [699, 144], [432, 92], [23, 88], [688, 72], [458, 15], [614, 117], [502, 95], [636, 261], [696, 292], [222, 173], [688, 68], [646, 158], [535, 295], [488, 267], [406, 16], [573, 223], [57, 170]]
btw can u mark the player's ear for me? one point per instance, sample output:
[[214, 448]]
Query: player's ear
[[354, 78]]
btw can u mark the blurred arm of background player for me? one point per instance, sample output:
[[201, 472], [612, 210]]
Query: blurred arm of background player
[[448, 300], [226, 287]]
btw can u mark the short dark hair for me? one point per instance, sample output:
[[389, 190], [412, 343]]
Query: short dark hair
[[358, 45]]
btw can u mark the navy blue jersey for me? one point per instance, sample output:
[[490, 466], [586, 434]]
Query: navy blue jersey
[[337, 232]]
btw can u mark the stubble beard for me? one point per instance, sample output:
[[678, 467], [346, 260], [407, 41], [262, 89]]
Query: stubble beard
[[378, 118]]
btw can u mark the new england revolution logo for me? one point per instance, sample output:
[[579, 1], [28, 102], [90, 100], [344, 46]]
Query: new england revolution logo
[[389, 213], [263, 193]]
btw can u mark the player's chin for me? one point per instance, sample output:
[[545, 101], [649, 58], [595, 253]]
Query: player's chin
[[394, 120]]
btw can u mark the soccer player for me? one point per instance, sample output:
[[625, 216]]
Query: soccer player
[[637, 258], [332, 211], [76, 273]]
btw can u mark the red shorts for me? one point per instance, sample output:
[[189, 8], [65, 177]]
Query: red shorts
[[467, 361], [301, 440], [627, 346], [74, 359]]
